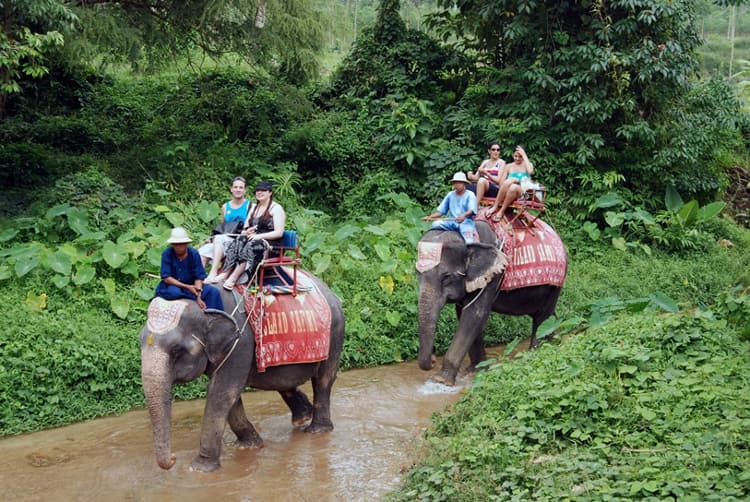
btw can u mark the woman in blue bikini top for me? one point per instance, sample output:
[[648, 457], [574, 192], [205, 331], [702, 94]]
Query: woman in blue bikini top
[[510, 189]]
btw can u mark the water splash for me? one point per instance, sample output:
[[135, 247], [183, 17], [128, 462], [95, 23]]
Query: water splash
[[431, 387]]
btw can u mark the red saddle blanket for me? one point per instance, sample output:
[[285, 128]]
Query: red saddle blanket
[[535, 252], [289, 329]]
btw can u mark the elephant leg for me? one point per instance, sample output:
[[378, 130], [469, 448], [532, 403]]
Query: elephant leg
[[322, 385], [470, 331], [222, 396], [537, 318], [247, 436], [299, 404], [477, 353]]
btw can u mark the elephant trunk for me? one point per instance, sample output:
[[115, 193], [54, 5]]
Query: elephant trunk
[[430, 305], [157, 388]]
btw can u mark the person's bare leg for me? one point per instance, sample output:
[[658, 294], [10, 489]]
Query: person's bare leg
[[513, 192], [236, 273], [482, 186], [502, 193], [213, 276]]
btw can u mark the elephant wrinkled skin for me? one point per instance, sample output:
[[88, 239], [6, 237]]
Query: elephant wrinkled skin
[[470, 277], [204, 343]]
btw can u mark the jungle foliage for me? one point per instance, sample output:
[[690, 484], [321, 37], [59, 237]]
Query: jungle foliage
[[96, 167], [660, 414]]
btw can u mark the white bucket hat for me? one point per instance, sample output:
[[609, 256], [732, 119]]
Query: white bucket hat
[[179, 236], [459, 176]]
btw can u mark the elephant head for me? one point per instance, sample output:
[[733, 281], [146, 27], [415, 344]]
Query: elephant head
[[185, 344], [448, 271]]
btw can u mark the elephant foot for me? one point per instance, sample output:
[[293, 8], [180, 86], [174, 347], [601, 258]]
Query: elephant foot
[[204, 464], [444, 380], [246, 444], [319, 427], [167, 463], [302, 419]]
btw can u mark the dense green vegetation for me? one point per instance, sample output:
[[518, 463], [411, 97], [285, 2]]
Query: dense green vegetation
[[103, 149], [647, 407]]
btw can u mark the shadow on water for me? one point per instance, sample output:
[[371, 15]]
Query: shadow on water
[[379, 415]]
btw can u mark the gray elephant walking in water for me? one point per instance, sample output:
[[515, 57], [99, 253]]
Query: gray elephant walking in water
[[471, 276], [178, 347]]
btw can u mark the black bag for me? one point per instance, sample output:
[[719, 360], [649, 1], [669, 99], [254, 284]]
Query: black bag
[[228, 227]]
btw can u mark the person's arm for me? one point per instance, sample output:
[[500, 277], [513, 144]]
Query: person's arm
[[224, 212], [471, 210], [246, 228], [433, 216], [503, 174], [526, 162]]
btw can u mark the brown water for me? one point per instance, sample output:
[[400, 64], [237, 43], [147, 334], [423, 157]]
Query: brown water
[[379, 415]]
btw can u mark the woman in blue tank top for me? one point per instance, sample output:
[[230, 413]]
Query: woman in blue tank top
[[510, 189], [235, 209]]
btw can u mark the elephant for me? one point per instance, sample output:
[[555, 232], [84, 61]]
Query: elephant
[[470, 276], [211, 342]]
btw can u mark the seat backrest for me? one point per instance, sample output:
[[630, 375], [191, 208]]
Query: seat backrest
[[289, 239]]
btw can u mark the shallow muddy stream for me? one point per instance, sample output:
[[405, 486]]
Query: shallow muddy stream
[[379, 416]]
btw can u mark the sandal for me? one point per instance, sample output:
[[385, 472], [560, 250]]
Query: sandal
[[228, 285], [215, 279]]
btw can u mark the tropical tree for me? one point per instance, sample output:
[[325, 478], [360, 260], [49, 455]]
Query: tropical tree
[[28, 32], [587, 83]]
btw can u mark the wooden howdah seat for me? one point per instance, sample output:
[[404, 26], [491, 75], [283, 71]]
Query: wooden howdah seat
[[527, 208], [287, 254]]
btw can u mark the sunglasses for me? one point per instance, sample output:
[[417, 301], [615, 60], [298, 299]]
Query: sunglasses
[[494, 149]]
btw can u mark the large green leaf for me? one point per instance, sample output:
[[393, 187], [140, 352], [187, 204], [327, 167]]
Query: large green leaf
[[154, 257], [609, 199], [208, 212], [672, 199], [614, 219], [58, 210], [547, 327], [383, 251], [135, 248], [345, 232], [176, 219], [373, 229], [687, 213], [321, 264], [61, 281], [120, 306], [710, 211], [144, 293], [8, 234], [109, 286], [619, 243], [5, 272], [355, 252], [26, 265], [84, 274], [113, 255], [78, 220], [664, 302], [59, 261]]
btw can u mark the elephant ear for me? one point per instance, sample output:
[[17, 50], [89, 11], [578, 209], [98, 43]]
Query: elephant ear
[[483, 263]]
